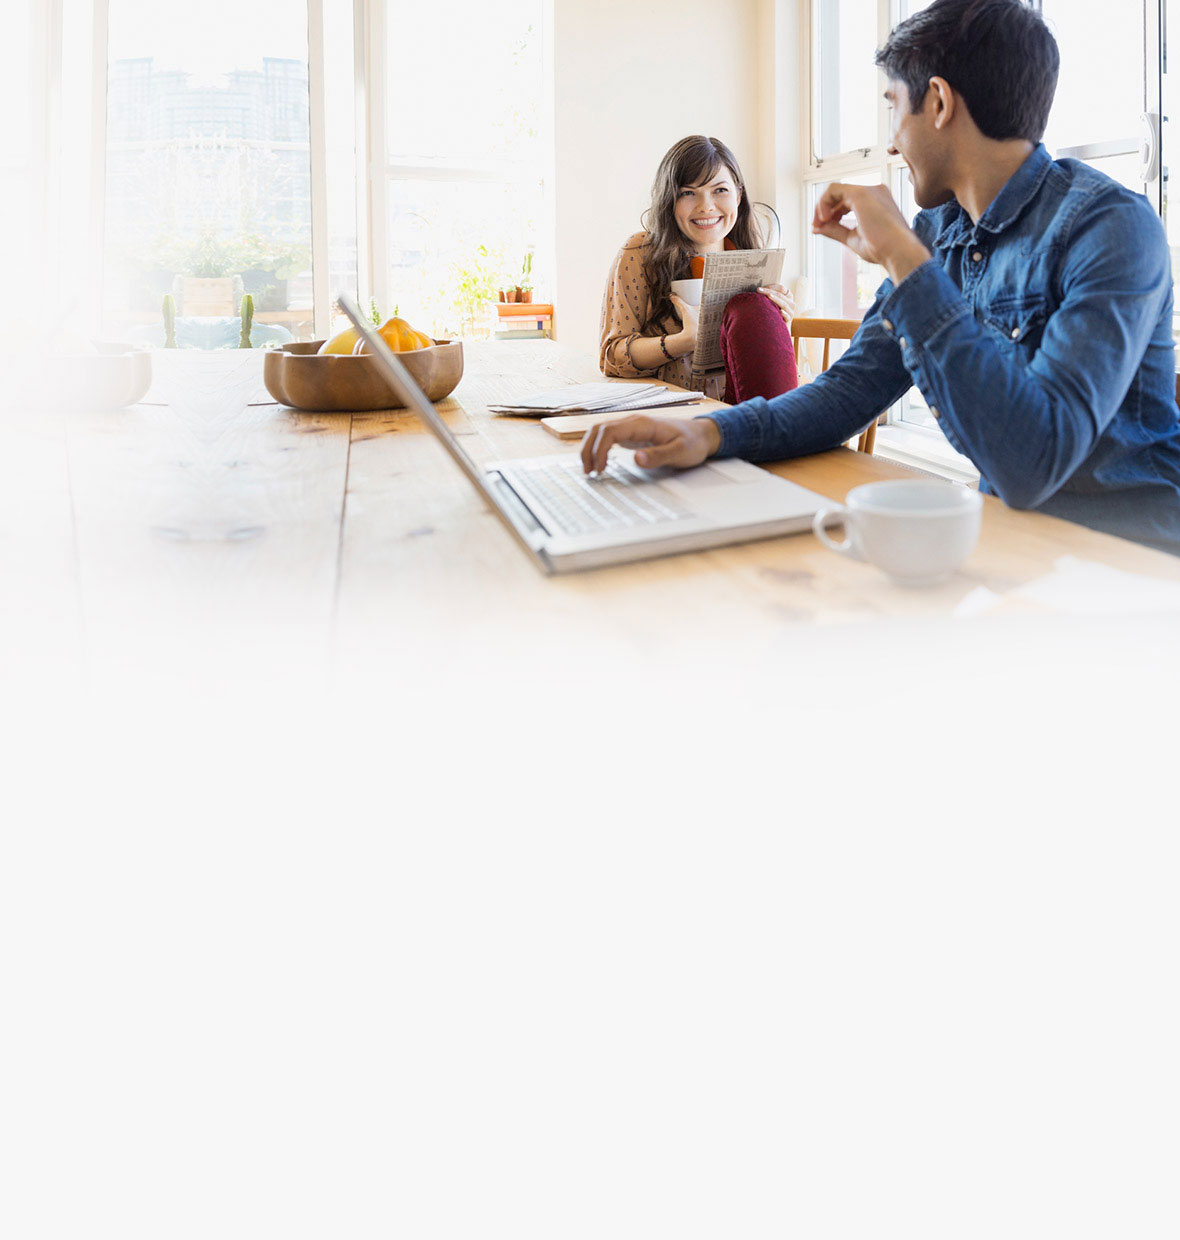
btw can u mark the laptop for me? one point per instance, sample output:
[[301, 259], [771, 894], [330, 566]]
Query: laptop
[[566, 521]]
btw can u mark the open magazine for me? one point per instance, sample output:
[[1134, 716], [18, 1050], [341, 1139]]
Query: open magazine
[[726, 274]]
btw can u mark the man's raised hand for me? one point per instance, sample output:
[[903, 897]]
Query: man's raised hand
[[881, 234]]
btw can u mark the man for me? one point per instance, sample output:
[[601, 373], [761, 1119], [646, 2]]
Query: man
[[1031, 303]]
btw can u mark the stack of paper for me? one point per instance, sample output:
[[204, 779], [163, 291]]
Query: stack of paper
[[598, 398]]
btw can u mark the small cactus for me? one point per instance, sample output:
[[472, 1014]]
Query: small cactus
[[247, 322], [169, 321]]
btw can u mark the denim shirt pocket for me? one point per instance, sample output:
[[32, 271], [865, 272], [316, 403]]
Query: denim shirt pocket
[[1019, 319]]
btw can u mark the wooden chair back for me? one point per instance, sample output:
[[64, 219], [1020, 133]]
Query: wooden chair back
[[828, 330]]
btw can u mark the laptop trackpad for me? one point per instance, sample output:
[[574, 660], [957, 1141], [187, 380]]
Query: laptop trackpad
[[715, 474]]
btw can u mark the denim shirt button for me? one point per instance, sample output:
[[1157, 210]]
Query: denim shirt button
[[887, 325], [901, 341], [1016, 333], [977, 257], [934, 413]]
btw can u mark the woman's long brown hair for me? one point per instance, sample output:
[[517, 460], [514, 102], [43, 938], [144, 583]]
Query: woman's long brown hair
[[692, 161]]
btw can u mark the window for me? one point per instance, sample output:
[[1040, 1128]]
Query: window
[[846, 284], [208, 171], [1105, 126], [1117, 121], [1123, 125], [293, 153], [854, 149], [844, 116], [1169, 146], [459, 211], [22, 152]]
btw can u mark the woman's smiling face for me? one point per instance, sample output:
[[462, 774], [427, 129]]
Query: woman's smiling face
[[707, 212]]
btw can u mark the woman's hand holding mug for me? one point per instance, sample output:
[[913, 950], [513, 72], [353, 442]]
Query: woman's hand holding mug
[[690, 318]]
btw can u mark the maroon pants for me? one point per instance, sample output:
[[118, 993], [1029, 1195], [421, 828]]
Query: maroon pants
[[756, 348]]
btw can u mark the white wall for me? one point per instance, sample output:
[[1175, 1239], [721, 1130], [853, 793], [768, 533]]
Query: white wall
[[629, 80]]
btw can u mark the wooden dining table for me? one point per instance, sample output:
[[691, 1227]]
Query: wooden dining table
[[209, 518], [309, 780]]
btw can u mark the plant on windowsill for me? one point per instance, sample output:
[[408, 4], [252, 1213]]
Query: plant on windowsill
[[247, 321], [524, 290], [254, 264], [169, 307], [266, 265], [474, 282]]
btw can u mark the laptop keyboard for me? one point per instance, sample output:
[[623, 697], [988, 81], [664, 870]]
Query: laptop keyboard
[[616, 499]]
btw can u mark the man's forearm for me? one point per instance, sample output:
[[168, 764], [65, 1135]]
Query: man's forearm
[[825, 412]]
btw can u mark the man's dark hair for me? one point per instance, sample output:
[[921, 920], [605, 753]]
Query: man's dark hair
[[998, 54]]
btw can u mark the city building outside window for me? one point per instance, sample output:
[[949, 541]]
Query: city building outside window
[[208, 186]]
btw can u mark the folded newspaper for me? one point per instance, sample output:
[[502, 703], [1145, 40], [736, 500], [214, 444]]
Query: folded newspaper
[[726, 274], [598, 398]]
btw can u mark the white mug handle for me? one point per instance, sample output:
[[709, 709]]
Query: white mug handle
[[820, 520]]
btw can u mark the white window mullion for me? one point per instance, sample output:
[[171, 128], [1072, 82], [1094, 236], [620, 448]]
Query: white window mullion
[[520, 174], [371, 54], [885, 23], [48, 146], [98, 153], [858, 163], [318, 156], [1153, 24]]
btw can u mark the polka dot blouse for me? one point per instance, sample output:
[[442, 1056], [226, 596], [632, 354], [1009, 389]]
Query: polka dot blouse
[[625, 306]]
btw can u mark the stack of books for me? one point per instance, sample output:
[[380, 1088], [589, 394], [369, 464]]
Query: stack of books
[[522, 320]]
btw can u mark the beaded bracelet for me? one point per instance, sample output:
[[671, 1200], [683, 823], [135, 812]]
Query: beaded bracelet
[[664, 348]]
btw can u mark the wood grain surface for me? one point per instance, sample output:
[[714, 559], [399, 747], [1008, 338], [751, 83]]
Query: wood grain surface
[[209, 511]]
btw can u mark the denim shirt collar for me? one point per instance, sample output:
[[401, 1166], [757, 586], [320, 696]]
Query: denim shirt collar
[[1007, 205]]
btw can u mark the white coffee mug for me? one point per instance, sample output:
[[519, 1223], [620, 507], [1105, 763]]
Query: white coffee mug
[[688, 290], [917, 532]]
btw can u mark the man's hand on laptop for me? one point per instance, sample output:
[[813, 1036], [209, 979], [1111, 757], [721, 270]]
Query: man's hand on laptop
[[881, 234], [682, 442]]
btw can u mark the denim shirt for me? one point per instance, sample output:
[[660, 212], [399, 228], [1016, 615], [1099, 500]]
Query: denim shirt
[[1041, 338]]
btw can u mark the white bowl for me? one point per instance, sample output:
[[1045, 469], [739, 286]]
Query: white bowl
[[112, 378]]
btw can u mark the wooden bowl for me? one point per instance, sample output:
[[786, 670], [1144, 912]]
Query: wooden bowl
[[303, 378]]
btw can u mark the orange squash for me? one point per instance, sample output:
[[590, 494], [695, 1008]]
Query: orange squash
[[400, 337]]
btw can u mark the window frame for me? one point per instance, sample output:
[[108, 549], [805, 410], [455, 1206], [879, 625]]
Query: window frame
[[913, 441], [379, 170], [921, 442], [373, 170], [857, 160], [317, 148]]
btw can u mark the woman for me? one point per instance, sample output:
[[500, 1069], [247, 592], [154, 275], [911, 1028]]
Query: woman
[[698, 206]]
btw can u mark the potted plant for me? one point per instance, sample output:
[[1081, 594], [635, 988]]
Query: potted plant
[[524, 290], [265, 266], [475, 284]]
